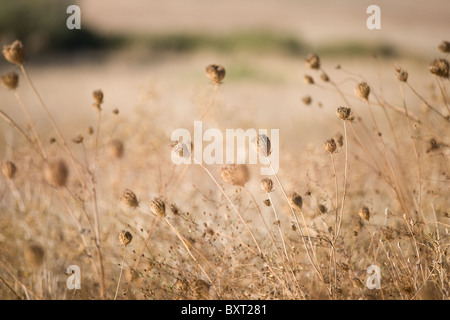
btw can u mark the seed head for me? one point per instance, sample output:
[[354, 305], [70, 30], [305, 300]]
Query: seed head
[[201, 288], [235, 174], [215, 72], [444, 47], [322, 208], [158, 207], [9, 170], [180, 149], [267, 203], [307, 100], [439, 67], [330, 145], [261, 143], [401, 74], [98, 96], [343, 113], [340, 139], [267, 185], [364, 212], [129, 199], [10, 80], [312, 61], [324, 77], [362, 90], [78, 139], [56, 173], [125, 237], [34, 255], [308, 79], [296, 201], [14, 52], [116, 149]]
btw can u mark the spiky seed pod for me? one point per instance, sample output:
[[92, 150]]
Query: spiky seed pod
[[261, 143], [201, 288], [116, 149], [158, 207], [129, 199], [308, 79], [330, 145], [312, 61], [9, 170], [307, 100], [215, 72], [343, 113], [362, 90], [56, 173], [324, 77], [295, 201], [235, 174], [10, 80], [444, 47], [34, 255], [364, 212], [125, 237], [439, 67], [14, 52], [401, 74], [267, 185]]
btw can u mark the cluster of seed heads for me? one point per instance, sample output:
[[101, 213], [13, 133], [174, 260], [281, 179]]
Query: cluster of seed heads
[[235, 174], [98, 99], [125, 237], [129, 199], [10, 80], [14, 52], [312, 61], [9, 170], [215, 72]]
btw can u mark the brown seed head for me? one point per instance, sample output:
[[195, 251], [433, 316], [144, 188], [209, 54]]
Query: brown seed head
[[307, 100], [340, 139], [235, 174], [215, 72], [343, 113], [14, 52], [98, 96], [439, 67], [181, 149], [324, 77], [116, 149], [125, 237], [10, 80], [267, 185], [267, 203], [364, 213], [330, 145], [34, 255], [9, 170], [261, 143], [401, 74], [158, 207], [362, 90], [56, 173], [296, 201], [78, 139], [312, 61], [129, 199], [308, 79], [444, 47]]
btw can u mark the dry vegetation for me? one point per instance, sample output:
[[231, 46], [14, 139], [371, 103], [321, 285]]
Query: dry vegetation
[[110, 201]]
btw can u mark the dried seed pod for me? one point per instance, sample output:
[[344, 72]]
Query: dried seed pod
[[34, 255], [98, 96], [174, 209], [215, 72], [343, 113], [181, 149], [340, 140], [322, 209], [125, 237], [362, 90], [129, 199], [56, 173], [401, 74], [262, 145], [444, 47], [330, 145], [10, 80], [439, 67], [9, 170], [235, 174], [78, 139], [364, 212], [158, 207], [308, 79], [312, 61], [116, 149], [14, 52], [324, 77], [388, 233], [307, 100], [267, 203], [267, 185], [296, 201]]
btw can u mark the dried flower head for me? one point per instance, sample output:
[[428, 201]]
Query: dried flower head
[[440, 67], [98, 96], [308, 79], [215, 72], [129, 199], [362, 90], [295, 201], [14, 52], [322, 208], [116, 149], [34, 255], [181, 149], [90, 131], [364, 212], [343, 113], [261, 143], [174, 209], [401, 74], [10, 80], [330, 145], [312, 61], [267, 203], [444, 47], [235, 174], [56, 173], [324, 77], [307, 100], [125, 237], [339, 139], [267, 185], [78, 139], [115, 111], [9, 169], [158, 207], [388, 233]]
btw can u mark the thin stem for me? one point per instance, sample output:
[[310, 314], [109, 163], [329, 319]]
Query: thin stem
[[443, 94], [121, 269], [427, 104], [279, 226]]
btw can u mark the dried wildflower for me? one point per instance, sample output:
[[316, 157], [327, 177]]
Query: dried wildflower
[[78, 139], [388, 233], [56, 173], [125, 237], [267, 203], [340, 140], [307, 100], [98, 96], [116, 149], [312, 61], [9, 170], [129, 199], [201, 288], [357, 283], [174, 209], [267, 185], [215, 72], [364, 212], [158, 207], [90, 131], [324, 77], [343, 113], [444, 47], [439, 67], [10, 80], [362, 90], [322, 208], [115, 111], [308, 79], [330, 145], [180, 149], [261, 143], [235, 174], [401, 74], [34, 255], [14, 53], [296, 201]]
